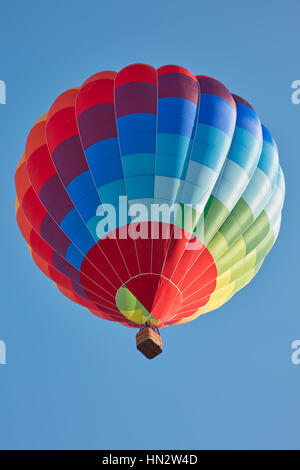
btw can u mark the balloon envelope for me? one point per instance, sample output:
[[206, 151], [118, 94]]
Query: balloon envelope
[[149, 195]]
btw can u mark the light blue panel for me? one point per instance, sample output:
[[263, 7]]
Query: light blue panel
[[74, 257], [176, 146], [258, 192], [173, 144], [244, 157], [88, 205], [106, 149], [140, 187], [170, 165], [136, 123], [193, 194], [210, 147], [107, 171], [201, 175], [146, 203], [76, 230], [92, 225], [80, 186], [109, 193], [167, 188], [269, 161], [231, 184], [139, 164], [245, 138]]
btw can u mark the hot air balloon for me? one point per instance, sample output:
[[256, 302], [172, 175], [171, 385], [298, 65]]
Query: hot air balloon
[[149, 196]]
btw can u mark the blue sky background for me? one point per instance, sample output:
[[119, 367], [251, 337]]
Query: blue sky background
[[225, 380]]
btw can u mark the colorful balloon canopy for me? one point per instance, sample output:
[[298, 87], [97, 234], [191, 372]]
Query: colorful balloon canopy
[[153, 137]]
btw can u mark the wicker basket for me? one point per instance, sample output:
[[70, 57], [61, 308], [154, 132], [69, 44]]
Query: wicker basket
[[149, 342]]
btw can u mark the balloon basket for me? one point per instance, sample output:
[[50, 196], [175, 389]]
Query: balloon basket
[[149, 342]]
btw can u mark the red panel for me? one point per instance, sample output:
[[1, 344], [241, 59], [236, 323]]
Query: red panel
[[41, 247], [60, 127], [175, 69], [21, 181], [136, 73], [40, 167], [65, 100], [97, 91], [36, 138], [156, 294], [33, 209]]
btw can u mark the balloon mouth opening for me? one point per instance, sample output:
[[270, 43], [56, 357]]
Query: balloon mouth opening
[[148, 297]]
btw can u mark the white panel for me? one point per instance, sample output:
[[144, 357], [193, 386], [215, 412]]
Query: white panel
[[258, 192], [201, 175], [233, 182]]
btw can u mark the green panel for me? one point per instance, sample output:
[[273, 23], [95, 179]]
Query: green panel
[[215, 214], [218, 246], [237, 222], [265, 246], [187, 218], [257, 232], [232, 256], [125, 300], [243, 266]]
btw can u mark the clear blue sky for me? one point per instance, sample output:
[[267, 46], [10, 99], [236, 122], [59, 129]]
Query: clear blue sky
[[225, 380]]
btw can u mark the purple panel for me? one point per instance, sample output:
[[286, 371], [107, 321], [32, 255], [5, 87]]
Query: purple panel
[[64, 267], [238, 99], [97, 123], [213, 87], [69, 159], [55, 198], [178, 85], [136, 97], [80, 290], [54, 235]]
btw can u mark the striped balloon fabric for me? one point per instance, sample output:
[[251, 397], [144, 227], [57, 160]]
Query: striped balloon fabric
[[104, 165]]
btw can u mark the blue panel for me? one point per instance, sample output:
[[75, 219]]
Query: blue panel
[[74, 257], [80, 186], [176, 116], [267, 136], [247, 119], [76, 230], [178, 106], [138, 143], [217, 112], [107, 171], [88, 205], [104, 150], [176, 125], [139, 122]]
